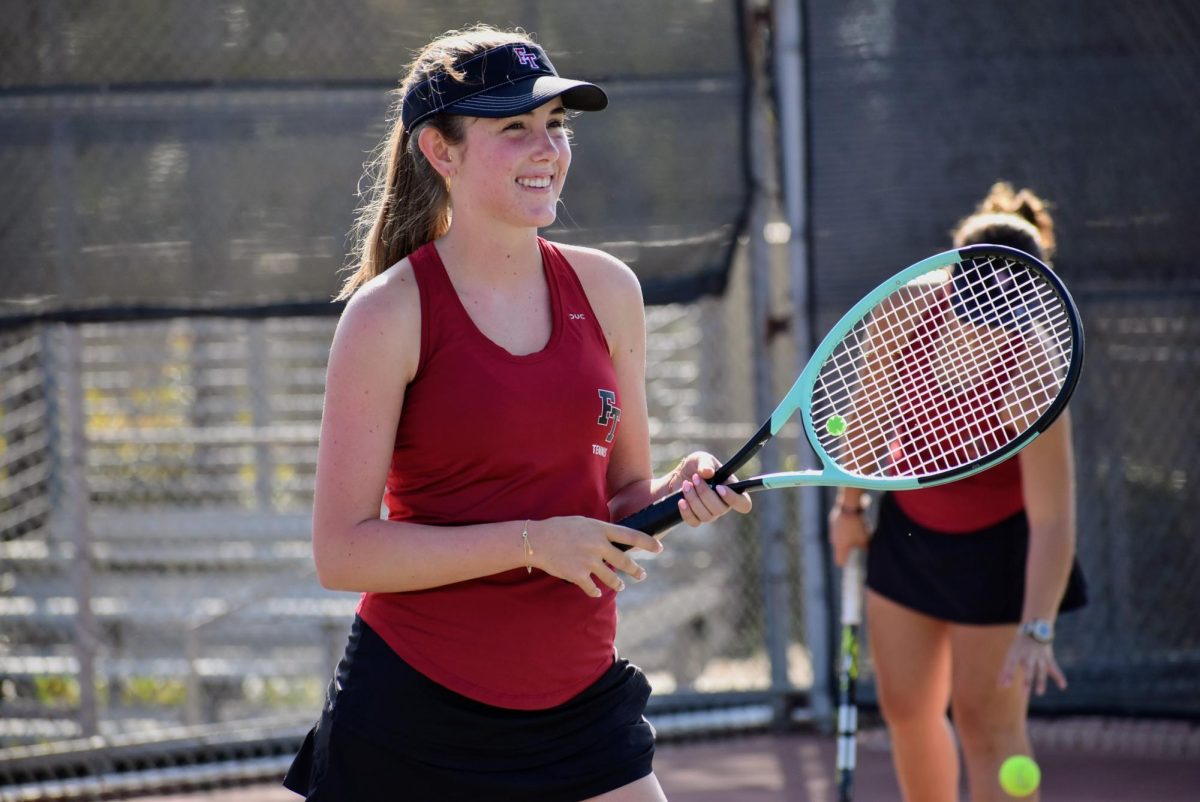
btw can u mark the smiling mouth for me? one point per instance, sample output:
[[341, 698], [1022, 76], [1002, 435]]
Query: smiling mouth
[[540, 182]]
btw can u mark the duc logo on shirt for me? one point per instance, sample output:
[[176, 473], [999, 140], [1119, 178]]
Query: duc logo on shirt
[[610, 415]]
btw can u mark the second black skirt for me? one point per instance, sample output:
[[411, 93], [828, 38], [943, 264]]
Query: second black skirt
[[974, 578], [387, 732]]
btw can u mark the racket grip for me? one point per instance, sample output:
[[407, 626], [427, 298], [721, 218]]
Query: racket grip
[[852, 586], [655, 519]]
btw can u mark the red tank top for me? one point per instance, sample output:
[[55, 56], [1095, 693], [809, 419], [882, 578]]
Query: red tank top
[[977, 501], [489, 436]]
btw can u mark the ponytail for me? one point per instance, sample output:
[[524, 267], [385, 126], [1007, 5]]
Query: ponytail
[[407, 206]]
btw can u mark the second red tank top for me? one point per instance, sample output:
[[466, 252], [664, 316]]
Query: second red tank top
[[977, 501]]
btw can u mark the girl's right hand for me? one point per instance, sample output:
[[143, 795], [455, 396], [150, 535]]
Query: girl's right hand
[[847, 531], [581, 551]]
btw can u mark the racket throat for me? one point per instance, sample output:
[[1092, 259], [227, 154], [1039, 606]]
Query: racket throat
[[744, 454]]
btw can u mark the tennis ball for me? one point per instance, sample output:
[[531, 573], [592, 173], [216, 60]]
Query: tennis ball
[[1020, 775], [836, 426]]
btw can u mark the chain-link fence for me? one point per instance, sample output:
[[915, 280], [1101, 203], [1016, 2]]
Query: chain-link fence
[[206, 155], [181, 180], [1136, 647], [914, 110], [155, 531], [183, 177]]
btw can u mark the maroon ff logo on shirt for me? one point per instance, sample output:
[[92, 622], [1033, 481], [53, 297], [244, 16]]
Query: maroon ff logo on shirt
[[610, 413]]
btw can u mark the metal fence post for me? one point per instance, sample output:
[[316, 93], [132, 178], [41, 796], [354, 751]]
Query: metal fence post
[[260, 414], [790, 94], [770, 507], [62, 348]]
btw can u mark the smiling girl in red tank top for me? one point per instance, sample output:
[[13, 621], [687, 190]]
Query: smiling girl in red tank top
[[491, 386]]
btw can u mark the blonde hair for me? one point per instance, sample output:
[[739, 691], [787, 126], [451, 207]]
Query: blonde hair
[[1019, 219], [407, 203]]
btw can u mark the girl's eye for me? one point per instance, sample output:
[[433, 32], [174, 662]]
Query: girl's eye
[[513, 126]]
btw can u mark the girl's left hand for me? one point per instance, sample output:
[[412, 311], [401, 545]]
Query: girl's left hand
[[702, 503], [1035, 661]]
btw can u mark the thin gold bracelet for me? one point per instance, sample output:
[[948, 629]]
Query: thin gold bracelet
[[528, 549]]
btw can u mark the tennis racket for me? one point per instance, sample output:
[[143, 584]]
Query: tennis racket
[[847, 713], [947, 368]]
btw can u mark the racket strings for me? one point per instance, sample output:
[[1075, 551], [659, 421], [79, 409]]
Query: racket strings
[[941, 366], [945, 364], [963, 365], [945, 371]]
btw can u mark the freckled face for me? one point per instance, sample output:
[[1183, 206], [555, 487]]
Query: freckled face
[[513, 168]]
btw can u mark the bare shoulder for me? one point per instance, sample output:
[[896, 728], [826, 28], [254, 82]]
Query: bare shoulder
[[383, 319], [390, 301]]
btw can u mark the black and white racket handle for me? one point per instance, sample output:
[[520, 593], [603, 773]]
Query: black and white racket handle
[[664, 513], [847, 713]]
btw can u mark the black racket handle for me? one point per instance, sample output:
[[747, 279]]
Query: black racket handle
[[655, 519], [719, 477], [664, 513]]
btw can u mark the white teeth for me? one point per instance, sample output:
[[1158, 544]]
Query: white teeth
[[535, 183]]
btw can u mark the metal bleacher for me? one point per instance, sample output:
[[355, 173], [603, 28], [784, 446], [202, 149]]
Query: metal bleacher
[[190, 499], [178, 456]]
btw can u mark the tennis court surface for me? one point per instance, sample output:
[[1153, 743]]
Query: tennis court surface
[[1083, 760]]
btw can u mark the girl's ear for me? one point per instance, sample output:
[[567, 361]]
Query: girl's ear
[[437, 151]]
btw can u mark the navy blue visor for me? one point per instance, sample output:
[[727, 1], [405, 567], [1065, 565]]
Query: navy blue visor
[[502, 82]]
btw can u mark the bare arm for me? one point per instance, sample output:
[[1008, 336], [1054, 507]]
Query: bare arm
[[1048, 484]]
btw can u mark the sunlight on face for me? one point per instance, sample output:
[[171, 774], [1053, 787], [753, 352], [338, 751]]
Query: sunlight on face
[[514, 168]]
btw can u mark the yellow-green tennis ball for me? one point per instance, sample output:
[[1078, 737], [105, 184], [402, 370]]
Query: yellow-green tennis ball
[[1020, 775]]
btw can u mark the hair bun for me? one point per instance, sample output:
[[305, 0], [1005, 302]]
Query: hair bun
[[1025, 204]]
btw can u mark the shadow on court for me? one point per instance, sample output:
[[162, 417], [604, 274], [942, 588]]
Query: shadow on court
[[1082, 761]]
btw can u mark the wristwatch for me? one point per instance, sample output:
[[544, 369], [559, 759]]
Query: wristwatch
[[1039, 629]]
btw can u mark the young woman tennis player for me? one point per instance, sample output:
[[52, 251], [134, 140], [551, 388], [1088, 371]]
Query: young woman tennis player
[[965, 581], [489, 385]]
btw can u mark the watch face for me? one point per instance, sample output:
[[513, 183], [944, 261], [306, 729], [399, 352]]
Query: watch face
[[1040, 631]]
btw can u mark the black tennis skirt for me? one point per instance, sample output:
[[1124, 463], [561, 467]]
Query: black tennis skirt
[[976, 578], [387, 732]]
